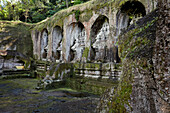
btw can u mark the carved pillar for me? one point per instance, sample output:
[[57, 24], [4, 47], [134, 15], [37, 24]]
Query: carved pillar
[[49, 52]]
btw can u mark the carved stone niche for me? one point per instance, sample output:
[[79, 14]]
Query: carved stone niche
[[99, 36], [79, 45], [100, 45], [129, 13], [75, 42], [57, 37]]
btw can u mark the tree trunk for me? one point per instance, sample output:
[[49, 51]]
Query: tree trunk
[[67, 3]]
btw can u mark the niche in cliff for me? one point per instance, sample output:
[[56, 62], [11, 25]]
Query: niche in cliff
[[99, 36], [129, 12], [57, 37], [75, 43], [12, 59]]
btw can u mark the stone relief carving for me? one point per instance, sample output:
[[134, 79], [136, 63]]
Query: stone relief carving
[[100, 44], [57, 44], [79, 45], [75, 42]]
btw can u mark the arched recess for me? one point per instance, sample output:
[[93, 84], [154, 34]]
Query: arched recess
[[75, 41], [57, 37], [99, 35], [129, 13], [44, 44]]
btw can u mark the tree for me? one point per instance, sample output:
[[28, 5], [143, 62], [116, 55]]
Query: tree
[[32, 10], [67, 3]]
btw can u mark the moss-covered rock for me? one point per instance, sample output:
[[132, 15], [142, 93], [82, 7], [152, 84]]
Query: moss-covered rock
[[19, 35], [135, 50], [85, 53]]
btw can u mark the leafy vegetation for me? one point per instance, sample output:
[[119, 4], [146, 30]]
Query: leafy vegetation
[[33, 11]]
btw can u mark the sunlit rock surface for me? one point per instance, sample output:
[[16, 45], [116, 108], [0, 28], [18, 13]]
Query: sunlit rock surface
[[57, 43], [44, 44]]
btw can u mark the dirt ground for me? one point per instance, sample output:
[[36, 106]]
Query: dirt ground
[[20, 96]]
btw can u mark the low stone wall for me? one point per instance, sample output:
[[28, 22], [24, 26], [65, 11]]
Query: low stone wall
[[90, 85], [95, 77], [91, 77], [98, 70]]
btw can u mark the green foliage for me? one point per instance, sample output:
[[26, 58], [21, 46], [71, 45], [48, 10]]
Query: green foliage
[[85, 53], [33, 10], [77, 2], [37, 17], [77, 13], [50, 13], [123, 92]]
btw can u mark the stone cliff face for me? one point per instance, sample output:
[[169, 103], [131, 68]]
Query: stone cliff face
[[98, 35], [94, 25], [161, 59], [15, 44], [134, 93], [144, 52]]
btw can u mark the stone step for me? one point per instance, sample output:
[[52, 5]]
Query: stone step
[[4, 37], [112, 74], [7, 40], [11, 72], [40, 70], [97, 72], [94, 69], [6, 44], [40, 67], [12, 76], [97, 76]]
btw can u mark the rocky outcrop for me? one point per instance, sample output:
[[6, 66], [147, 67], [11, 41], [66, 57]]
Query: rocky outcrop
[[15, 45], [134, 93], [129, 32], [94, 25], [144, 51], [161, 59]]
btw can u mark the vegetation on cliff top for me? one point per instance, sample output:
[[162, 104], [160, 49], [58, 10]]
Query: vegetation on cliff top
[[33, 11]]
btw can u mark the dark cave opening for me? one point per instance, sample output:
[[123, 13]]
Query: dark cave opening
[[131, 10]]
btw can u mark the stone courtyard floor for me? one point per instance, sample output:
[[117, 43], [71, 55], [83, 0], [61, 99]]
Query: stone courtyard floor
[[20, 96]]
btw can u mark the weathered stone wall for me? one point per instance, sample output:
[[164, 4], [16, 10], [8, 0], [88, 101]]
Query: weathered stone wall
[[89, 14], [161, 59], [98, 71], [137, 54], [15, 44], [16, 36], [92, 77], [144, 52]]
